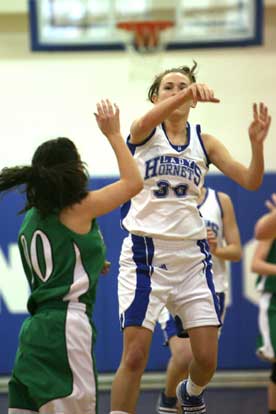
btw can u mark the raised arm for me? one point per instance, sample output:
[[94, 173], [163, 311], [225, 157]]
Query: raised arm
[[248, 177], [259, 262], [142, 127], [265, 227], [108, 198], [232, 251]]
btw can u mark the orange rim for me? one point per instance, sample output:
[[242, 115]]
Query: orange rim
[[138, 26]]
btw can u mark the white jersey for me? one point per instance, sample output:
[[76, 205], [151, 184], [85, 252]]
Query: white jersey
[[211, 210], [173, 175]]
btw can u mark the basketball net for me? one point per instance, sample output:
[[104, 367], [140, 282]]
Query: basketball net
[[145, 47]]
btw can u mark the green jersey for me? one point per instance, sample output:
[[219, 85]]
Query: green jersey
[[268, 283], [60, 265]]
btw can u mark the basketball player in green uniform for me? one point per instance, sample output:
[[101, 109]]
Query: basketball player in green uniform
[[264, 263], [62, 252]]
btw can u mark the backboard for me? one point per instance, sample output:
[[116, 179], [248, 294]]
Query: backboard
[[92, 24]]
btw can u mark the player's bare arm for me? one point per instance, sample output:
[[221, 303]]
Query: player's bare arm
[[142, 127], [248, 177], [232, 251], [130, 183], [265, 227], [259, 263]]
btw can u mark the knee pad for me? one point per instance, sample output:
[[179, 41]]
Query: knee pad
[[273, 373]]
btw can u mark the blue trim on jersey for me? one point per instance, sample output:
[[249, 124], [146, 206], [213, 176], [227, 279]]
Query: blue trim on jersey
[[143, 251], [205, 198], [219, 203], [178, 148], [204, 248], [198, 130], [132, 147], [124, 211]]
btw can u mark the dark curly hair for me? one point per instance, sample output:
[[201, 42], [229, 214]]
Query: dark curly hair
[[57, 178], [185, 70]]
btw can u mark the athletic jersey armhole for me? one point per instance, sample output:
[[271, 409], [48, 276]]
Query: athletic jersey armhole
[[198, 130], [204, 199], [219, 204], [133, 147]]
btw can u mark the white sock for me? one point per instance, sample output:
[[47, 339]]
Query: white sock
[[192, 388], [118, 412]]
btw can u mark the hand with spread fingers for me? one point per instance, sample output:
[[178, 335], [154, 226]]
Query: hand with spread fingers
[[108, 118], [259, 127]]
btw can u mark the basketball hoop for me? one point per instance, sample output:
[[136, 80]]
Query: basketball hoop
[[146, 33], [145, 37]]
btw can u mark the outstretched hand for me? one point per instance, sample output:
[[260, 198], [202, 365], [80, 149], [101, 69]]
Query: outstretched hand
[[259, 127], [108, 118], [106, 267], [199, 92]]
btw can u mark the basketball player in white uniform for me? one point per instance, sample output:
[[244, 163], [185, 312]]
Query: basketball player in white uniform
[[224, 242], [165, 260]]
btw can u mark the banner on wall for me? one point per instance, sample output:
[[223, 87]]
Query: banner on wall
[[237, 342]]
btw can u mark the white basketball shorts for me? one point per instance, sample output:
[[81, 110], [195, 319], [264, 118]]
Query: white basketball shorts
[[177, 274]]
